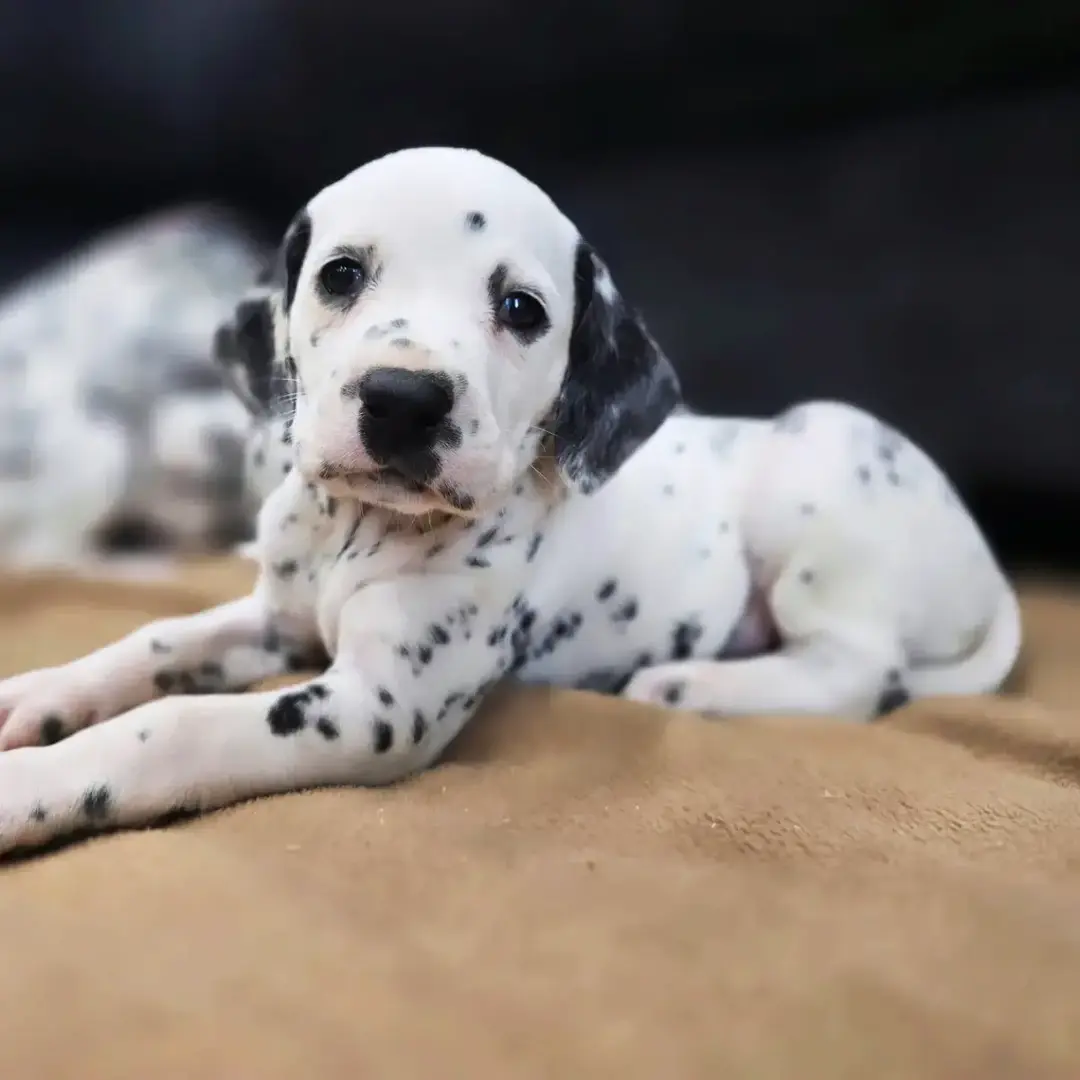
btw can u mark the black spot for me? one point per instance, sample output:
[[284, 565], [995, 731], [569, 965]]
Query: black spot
[[211, 670], [327, 728], [475, 221], [398, 324], [286, 569], [424, 653], [143, 735], [97, 802], [893, 478], [439, 635], [38, 813], [159, 647], [435, 549], [288, 714], [892, 698], [534, 546], [673, 693], [806, 576], [385, 696], [52, 729], [401, 343], [627, 612], [477, 561], [607, 589], [863, 473], [474, 426], [419, 726], [165, 681], [487, 536], [383, 736], [683, 639]]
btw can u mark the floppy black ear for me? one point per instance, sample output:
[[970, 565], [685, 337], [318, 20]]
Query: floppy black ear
[[245, 347], [252, 347], [619, 387]]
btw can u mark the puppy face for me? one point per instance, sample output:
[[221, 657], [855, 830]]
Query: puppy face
[[442, 323]]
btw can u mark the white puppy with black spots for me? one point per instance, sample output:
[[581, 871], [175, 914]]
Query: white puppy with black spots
[[483, 472]]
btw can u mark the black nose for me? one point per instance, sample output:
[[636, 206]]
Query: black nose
[[402, 410]]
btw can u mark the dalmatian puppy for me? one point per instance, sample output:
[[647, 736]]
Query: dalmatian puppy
[[118, 432], [483, 472]]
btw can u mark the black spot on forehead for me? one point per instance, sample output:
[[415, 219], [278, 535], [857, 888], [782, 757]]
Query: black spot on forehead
[[475, 221]]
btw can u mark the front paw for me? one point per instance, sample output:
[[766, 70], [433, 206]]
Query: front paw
[[28, 812], [41, 707], [657, 686]]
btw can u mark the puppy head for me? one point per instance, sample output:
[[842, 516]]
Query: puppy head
[[440, 325]]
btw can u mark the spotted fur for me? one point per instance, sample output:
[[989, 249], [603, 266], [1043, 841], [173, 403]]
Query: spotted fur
[[480, 473], [117, 429]]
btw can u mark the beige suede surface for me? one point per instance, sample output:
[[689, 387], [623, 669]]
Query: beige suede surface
[[584, 888]]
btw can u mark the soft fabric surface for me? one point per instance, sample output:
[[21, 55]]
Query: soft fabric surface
[[584, 889]]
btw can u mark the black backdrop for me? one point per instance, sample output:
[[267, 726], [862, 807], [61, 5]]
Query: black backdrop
[[872, 200]]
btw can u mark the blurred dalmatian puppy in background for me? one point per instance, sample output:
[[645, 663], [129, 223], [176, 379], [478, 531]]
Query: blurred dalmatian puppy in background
[[115, 429], [118, 434]]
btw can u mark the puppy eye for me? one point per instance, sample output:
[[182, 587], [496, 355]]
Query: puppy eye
[[521, 312], [342, 277]]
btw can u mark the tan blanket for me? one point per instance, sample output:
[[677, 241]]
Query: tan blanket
[[584, 889]]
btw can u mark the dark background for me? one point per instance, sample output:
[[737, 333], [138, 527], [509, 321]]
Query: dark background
[[878, 201]]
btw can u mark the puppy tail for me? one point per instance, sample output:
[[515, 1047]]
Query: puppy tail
[[983, 670]]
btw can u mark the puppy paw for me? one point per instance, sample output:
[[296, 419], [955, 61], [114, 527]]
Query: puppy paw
[[24, 818], [42, 707], [657, 686]]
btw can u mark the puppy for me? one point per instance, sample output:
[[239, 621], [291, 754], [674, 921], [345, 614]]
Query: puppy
[[118, 433], [475, 467]]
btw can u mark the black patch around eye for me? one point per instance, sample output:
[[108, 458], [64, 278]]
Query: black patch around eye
[[475, 221]]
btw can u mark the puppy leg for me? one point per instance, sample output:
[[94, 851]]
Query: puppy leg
[[199, 753], [822, 677], [226, 648], [840, 652]]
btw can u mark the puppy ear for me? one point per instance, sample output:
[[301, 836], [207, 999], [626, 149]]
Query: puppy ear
[[294, 249], [252, 347], [618, 388], [248, 347]]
